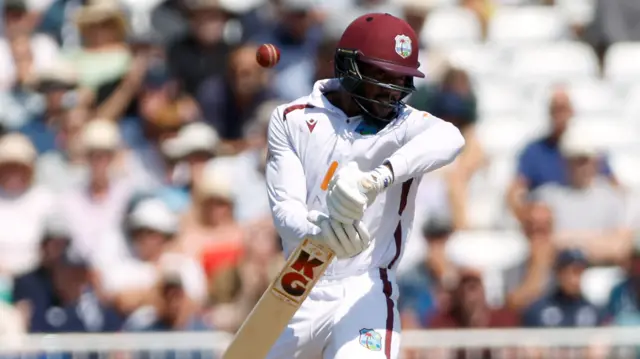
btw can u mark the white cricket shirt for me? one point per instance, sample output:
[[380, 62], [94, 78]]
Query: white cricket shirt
[[306, 135]]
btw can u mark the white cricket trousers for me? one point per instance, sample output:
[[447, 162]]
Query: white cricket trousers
[[352, 317]]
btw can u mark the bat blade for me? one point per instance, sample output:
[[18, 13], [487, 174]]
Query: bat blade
[[280, 301]]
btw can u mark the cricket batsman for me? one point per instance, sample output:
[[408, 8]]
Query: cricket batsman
[[383, 147]]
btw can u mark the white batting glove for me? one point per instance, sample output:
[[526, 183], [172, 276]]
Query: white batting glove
[[351, 191], [345, 240]]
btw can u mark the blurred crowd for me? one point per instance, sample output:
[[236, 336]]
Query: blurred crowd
[[132, 195]]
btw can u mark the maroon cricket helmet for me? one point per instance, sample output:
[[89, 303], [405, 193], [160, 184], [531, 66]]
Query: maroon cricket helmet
[[383, 41]]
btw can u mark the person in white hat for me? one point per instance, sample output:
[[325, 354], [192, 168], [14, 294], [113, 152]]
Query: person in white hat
[[23, 206], [64, 168], [149, 240], [95, 207], [589, 212], [194, 145]]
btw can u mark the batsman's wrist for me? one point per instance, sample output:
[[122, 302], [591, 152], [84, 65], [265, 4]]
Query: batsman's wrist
[[384, 176]]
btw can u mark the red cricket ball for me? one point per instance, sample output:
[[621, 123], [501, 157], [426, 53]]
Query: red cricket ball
[[268, 55]]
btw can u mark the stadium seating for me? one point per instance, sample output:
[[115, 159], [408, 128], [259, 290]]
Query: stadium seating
[[451, 25], [529, 24], [621, 64]]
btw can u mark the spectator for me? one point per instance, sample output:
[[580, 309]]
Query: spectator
[[235, 290], [453, 100], [589, 212], [419, 285], [59, 86], [229, 102], [534, 278], [565, 306], [146, 248], [81, 308], [174, 310], [202, 52], [470, 310], [20, 102], [148, 79], [209, 230], [98, 204], [297, 32], [23, 206], [195, 144], [37, 49], [65, 167], [613, 22], [33, 292], [162, 111], [541, 161], [103, 30], [623, 308]]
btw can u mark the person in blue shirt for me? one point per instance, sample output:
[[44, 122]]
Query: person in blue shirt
[[79, 308], [61, 96], [541, 162], [33, 292], [565, 305], [420, 285]]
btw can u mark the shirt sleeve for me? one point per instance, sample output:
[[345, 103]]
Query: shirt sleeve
[[286, 183], [431, 146]]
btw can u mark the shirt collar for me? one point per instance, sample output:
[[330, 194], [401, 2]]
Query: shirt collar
[[317, 97]]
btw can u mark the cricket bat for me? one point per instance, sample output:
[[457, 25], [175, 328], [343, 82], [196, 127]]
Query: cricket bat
[[285, 295]]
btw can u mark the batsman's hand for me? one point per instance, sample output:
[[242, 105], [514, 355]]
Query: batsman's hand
[[345, 240], [351, 191]]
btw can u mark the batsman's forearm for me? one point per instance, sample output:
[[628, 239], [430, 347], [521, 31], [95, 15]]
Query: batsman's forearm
[[432, 149], [290, 220]]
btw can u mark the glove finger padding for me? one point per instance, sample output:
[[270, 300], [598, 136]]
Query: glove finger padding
[[363, 232], [331, 239], [354, 238], [340, 212], [345, 241]]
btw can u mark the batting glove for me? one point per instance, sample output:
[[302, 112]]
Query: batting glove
[[351, 191], [345, 240]]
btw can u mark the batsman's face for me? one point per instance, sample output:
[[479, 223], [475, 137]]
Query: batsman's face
[[380, 94]]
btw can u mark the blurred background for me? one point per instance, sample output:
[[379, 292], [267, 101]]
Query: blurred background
[[132, 196]]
